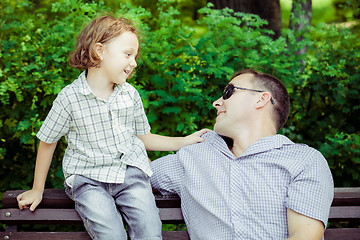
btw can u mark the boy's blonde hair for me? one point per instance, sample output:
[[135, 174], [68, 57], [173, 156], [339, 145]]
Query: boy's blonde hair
[[100, 30]]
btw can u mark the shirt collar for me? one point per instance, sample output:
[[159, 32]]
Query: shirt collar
[[263, 145], [218, 142], [83, 85], [84, 88], [266, 144]]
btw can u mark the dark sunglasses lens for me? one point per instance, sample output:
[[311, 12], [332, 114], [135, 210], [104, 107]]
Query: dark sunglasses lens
[[228, 91]]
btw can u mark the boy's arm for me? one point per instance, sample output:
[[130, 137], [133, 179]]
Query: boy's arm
[[154, 142], [43, 160]]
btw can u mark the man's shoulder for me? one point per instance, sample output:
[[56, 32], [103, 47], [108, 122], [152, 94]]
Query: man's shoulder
[[300, 147], [302, 153], [210, 137], [213, 142]]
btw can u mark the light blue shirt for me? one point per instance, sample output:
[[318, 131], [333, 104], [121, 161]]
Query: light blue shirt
[[246, 197]]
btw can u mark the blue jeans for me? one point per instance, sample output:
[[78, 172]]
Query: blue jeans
[[103, 206]]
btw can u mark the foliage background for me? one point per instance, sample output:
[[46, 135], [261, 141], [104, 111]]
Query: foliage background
[[184, 65]]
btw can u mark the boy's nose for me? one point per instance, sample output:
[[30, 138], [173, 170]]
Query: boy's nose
[[133, 63]]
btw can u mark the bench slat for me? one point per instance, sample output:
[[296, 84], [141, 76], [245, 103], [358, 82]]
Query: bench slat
[[57, 198], [346, 196], [167, 235], [69, 216], [342, 234], [45, 235], [167, 215], [347, 213]]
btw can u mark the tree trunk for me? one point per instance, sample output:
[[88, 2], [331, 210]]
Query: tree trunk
[[302, 12], [266, 9]]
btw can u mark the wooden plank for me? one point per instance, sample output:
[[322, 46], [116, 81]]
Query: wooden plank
[[52, 198], [57, 198], [346, 197], [175, 235], [344, 213], [45, 235], [39, 216], [170, 235], [347, 189], [69, 216], [171, 215], [342, 234]]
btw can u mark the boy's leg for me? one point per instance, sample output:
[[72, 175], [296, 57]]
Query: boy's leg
[[137, 205], [97, 209]]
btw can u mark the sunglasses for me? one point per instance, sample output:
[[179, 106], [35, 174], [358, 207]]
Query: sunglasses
[[230, 89]]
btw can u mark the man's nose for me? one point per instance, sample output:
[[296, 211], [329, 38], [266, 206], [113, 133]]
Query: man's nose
[[218, 102]]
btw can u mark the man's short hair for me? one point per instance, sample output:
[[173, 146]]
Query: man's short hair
[[277, 89]]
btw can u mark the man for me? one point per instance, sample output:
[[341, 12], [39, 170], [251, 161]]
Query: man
[[245, 181]]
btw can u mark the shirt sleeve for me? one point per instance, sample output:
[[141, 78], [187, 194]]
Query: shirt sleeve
[[141, 124], [312, 190], [56, 124], [167, 175]]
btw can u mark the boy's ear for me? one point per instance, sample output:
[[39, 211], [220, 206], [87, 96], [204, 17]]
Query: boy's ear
[[99, 48]]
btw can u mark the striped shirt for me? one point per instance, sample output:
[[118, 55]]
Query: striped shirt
[[100, 133], [245, 197]]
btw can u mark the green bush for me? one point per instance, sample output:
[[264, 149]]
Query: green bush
[[180, 74]]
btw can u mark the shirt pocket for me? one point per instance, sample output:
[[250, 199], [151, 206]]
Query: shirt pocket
[[122, 112], [91, 121]]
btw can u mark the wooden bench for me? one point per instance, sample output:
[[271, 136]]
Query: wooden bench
[[57, 208]]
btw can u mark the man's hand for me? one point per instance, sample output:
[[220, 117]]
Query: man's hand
[[30, 198]]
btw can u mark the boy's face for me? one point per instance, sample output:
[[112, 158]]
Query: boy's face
[[118, 57]]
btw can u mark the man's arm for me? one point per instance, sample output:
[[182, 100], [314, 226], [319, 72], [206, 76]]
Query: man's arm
[[168, 174], [303, 227]]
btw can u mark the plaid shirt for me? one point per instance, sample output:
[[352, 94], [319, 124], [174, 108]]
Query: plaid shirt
[[100, 134], [245, 197]]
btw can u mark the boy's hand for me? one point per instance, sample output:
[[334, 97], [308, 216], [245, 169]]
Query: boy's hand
[[154, 142], [30, 198], [195, 137]]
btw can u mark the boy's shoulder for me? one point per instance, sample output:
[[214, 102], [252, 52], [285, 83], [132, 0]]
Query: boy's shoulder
[[127, 87], [70, 90]]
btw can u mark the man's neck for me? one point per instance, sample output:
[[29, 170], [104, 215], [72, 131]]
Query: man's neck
[[243, 140]]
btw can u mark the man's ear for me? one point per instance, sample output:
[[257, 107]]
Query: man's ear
[[99, 48], [263, 99]]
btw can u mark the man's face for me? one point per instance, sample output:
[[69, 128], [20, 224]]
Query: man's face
[[234, 112]]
